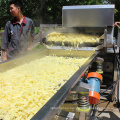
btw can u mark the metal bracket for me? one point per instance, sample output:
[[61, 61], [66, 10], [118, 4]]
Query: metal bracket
[[64, 115], [82, 87]]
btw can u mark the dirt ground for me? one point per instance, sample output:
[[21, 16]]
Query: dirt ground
[[110, 113]]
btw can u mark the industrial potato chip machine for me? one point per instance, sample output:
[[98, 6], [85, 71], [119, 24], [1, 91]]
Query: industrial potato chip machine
[[82, 92], [88, 19]]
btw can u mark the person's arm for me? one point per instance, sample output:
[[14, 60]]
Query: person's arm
[[4, 55], [117, 24], [4, 43]]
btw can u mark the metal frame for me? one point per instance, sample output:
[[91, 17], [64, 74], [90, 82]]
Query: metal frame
[[50, 108]]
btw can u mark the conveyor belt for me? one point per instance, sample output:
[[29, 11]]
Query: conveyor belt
[[59, 97], [71, 40], [50, 108]]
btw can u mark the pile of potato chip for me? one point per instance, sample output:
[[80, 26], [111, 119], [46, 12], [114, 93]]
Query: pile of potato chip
[[74, 38], [26, 88]]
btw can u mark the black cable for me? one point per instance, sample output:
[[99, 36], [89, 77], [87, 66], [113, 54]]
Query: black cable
[[103, 109], [116, 54], [109, 88]]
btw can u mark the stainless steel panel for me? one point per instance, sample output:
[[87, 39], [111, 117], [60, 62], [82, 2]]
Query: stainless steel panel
[[88, 16]]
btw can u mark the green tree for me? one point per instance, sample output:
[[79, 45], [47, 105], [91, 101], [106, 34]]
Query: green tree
[[4, 13], [49, 11]]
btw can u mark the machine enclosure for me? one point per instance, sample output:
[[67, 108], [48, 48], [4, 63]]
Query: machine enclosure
[[91, 16]]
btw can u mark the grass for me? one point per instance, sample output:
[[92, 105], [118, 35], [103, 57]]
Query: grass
[[1, 30], [37, 30], [38, 47]]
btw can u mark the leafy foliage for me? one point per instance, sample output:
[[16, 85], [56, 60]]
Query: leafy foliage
[[37, 30], [49, 11]]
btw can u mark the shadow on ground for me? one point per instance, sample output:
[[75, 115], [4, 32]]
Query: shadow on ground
[[112, 116]]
